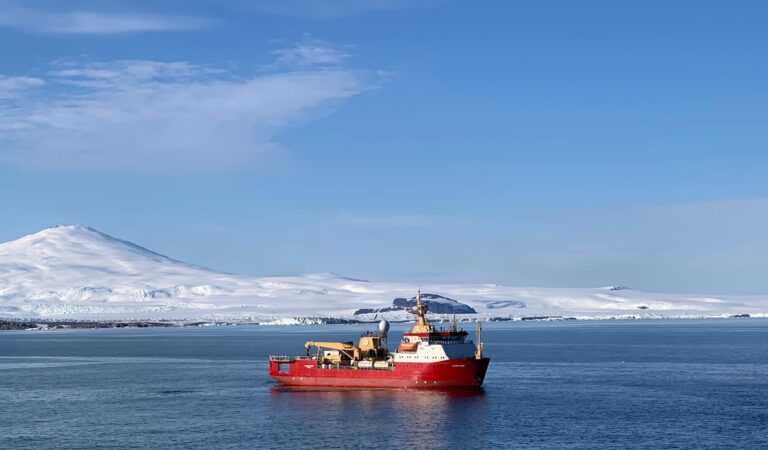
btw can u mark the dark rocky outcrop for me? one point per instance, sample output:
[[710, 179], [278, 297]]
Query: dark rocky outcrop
[[22, 325], [619, 287], [435, 304], [11, 325]]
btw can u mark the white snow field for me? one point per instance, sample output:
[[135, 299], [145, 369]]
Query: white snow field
[[77, 273]]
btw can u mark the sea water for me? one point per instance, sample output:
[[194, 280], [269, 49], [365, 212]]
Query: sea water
[[612, 384]]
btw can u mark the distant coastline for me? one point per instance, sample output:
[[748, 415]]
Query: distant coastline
[[22, 324]]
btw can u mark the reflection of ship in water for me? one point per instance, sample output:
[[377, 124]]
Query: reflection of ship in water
[[426, 358], [335, 392], [423, 418]]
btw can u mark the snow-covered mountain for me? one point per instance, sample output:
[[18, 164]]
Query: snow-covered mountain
[[76, 272]]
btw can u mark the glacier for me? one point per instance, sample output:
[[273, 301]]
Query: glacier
[[73, 272]]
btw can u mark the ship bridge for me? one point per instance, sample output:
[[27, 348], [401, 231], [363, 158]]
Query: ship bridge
[[426, 344], [438, 337]]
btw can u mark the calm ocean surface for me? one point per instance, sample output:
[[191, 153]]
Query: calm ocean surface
[[649, 384]]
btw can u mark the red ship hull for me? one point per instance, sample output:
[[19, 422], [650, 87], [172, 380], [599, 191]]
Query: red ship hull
[[452, 373]]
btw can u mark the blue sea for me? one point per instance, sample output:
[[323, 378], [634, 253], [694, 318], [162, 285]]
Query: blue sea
[[613, 384]]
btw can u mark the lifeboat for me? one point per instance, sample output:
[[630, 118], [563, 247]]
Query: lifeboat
[[408, 347]]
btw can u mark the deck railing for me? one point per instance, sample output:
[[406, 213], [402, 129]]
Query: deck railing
[[289, 358]]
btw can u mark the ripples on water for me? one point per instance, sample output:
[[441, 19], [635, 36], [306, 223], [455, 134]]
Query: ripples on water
[[686, 384]]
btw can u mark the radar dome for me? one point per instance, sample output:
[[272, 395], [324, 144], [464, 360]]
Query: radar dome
[[383, 327]]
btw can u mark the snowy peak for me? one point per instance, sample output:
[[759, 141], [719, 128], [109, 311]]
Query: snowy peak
[[76, 257], [77, 270], [73, 243]]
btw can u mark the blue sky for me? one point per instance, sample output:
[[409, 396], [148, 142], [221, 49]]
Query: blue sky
[[550, 143]]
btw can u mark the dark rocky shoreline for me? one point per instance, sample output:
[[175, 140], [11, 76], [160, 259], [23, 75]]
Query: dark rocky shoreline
[[13, 325], [6, 325]]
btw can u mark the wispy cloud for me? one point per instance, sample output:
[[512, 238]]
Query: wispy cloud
[[15, 86], [91, 22], [151, 116], [310, 52]]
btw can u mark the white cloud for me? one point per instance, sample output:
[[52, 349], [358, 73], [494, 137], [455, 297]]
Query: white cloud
[[150, 116], [310, 52], [14, 86], [129, 72], [91, 22]]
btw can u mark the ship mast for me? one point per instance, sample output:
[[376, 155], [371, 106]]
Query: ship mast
[[422, 326], [479, 351]]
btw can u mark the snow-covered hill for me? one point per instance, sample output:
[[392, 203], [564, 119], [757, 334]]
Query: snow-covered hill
[[76, 272]]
